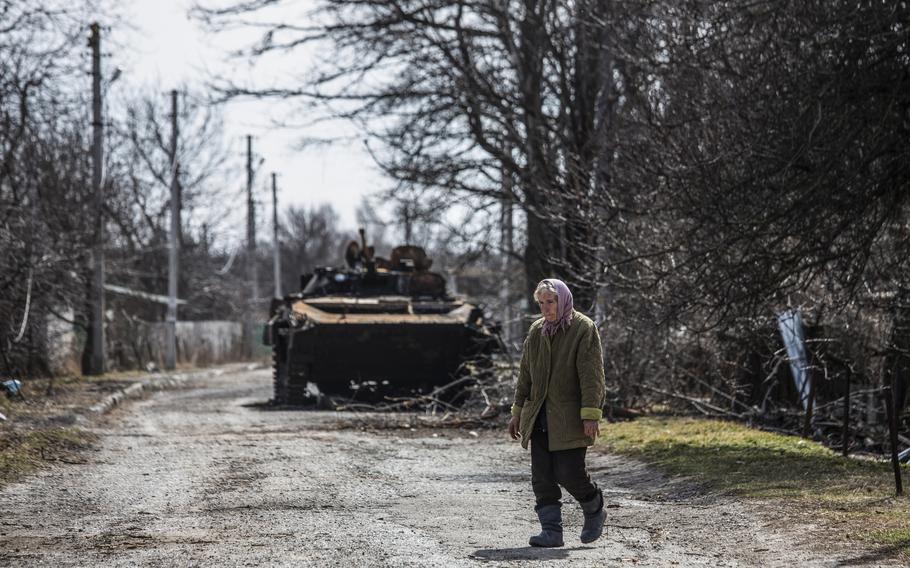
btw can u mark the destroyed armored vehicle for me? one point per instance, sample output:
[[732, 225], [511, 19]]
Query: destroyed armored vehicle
[[375, 327]]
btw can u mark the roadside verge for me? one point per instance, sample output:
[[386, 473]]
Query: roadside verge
[[800, 482], [51, 423], [162, 381]]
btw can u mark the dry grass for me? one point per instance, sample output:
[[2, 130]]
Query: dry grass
[[802, 477], [40, 429], [26, 453]]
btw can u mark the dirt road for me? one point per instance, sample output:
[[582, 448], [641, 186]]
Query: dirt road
[[200, 477]]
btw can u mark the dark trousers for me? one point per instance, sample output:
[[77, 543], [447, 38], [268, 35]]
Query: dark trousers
[[549, 470]]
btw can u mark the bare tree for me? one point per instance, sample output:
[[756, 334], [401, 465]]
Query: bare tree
[[780, 153], [698, 166], [43, 176], [309, 238], [143, 164], [476, 88], [776, 152], [44, 183]]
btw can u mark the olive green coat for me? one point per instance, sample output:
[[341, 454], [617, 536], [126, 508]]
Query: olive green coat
[[566, 373]]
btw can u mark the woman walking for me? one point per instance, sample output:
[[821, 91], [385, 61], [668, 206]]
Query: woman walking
[[557, 409]]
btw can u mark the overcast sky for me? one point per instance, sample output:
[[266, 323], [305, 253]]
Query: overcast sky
[[170, 50]]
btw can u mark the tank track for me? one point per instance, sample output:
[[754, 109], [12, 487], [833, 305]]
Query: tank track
[[279, 367]]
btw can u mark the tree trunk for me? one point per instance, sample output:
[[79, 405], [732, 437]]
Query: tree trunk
[[87, 325], [897, 362], [540, 238], [537, 254]]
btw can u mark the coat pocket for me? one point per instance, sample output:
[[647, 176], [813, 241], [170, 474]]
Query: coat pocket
[[564, 420]]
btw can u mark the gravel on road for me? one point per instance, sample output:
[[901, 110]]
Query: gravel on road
[[203, 476]]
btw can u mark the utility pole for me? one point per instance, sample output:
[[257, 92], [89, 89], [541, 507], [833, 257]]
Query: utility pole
[[250, 251], [97, 360], [277, 246], [170, 357], [507, 250]]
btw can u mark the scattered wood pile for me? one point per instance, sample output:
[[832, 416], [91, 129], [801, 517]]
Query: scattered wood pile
[[481, 393]]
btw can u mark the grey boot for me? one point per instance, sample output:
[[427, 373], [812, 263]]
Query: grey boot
[[595, 515], [551, 526]]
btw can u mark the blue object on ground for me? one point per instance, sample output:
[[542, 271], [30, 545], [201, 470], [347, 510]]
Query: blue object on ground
[[12, 386]]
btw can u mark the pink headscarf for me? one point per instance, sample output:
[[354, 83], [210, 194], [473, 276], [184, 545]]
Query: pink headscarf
[[563, 307]]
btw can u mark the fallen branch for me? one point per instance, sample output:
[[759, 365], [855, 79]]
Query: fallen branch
[[698, 404]]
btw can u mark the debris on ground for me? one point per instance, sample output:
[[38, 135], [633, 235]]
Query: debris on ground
[[476, 399]]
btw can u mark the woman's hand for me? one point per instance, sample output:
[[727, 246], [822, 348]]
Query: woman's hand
[[592, 428], [513, 428]]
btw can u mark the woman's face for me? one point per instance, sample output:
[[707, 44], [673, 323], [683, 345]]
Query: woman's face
[[548, 306]]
